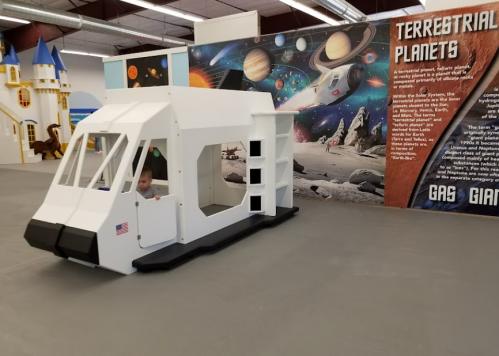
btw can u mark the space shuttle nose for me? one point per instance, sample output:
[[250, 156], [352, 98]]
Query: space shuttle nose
[[355, 76]]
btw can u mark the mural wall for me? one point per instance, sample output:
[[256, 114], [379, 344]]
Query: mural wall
[[403, 112], [338, 79]]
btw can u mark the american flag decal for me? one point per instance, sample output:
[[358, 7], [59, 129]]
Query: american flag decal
[[121, 229]]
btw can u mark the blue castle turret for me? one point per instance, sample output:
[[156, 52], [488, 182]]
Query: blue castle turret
[[59, 64], [42, 54], [9, 60], [13, 54]]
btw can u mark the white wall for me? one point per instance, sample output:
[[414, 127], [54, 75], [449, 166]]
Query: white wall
[[436, 5], [85, 74]]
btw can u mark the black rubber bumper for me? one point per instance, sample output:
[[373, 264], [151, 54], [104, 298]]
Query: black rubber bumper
[[176, 254], [63, 241]]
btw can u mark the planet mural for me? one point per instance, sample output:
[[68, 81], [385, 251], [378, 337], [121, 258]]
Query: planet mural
[[338, 49], [301, 44], [132, 72], [164, 63], [257, 65], [198, 79], [279, 40], [153, 72], [287, 56], [338, 45]]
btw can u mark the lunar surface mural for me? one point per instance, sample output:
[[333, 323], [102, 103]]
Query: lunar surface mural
[[337, 77]]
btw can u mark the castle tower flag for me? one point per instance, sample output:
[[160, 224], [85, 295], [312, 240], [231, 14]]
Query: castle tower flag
[[46, 84], [61, 74]]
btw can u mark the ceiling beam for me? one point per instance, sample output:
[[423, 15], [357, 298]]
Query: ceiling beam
[[26, 36]]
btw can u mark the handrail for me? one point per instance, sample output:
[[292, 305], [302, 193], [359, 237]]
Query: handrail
[[18, 132]]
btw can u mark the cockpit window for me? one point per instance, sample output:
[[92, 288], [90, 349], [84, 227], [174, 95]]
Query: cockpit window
[[86, 168], [336, 79]]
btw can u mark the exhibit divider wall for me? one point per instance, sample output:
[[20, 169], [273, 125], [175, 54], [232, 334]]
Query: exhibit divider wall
[[401, 112]]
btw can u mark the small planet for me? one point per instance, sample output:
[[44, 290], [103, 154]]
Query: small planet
[[153, 72], [132, 72], [279, 40], [257, 39], [279, 84], [253, 89], [338, 45], [151, 149], [156, 153], [390, 101], [164, 63], [423, 90], [136, 85], [301, 44], [257, 65]]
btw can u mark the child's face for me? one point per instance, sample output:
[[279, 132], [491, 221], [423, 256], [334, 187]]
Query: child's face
[[144, 182]]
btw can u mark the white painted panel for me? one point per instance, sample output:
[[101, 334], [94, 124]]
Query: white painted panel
[[157, 220], [242, 25], [436, 5]]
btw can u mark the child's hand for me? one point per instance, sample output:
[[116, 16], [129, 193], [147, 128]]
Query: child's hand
[[157, 197]]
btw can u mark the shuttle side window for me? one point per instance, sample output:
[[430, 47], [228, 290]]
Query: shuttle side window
[[155, 158], [131, 169]]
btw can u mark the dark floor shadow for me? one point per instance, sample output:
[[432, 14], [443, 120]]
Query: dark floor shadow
[[69, 276]]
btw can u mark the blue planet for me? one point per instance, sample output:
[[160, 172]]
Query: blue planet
[[279, 40], [164, 62]]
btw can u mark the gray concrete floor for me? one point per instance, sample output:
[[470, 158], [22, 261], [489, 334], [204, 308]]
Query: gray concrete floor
[[337, 279]]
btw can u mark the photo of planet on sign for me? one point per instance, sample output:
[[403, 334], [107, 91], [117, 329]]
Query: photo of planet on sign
[[147, 71], [337, 78]]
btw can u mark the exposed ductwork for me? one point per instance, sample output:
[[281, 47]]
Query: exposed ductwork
[[343, 9], [85, 23]]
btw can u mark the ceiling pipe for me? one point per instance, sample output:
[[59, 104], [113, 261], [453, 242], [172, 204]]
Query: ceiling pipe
[[85, 23], [343, 9]]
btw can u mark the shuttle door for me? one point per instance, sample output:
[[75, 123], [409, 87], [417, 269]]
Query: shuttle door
[[157, 220]]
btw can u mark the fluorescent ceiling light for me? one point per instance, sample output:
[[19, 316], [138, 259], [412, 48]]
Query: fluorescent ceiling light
[[165, 10], [7, 18], [310, 11], [85, 53], [343, 9]]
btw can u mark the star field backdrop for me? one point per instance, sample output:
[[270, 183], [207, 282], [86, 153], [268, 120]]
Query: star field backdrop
[[285, 67]]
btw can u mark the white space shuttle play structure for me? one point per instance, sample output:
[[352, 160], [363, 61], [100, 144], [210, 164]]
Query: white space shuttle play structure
[[112, 226]]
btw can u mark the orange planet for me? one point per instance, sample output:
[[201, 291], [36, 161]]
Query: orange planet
[[132, 72], [136, 85], [198, 80]]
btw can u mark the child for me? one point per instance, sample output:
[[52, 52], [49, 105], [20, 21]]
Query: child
[[144, 185]]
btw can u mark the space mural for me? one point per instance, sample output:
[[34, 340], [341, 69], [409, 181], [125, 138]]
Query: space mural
[[338, 79], [402, 112]]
